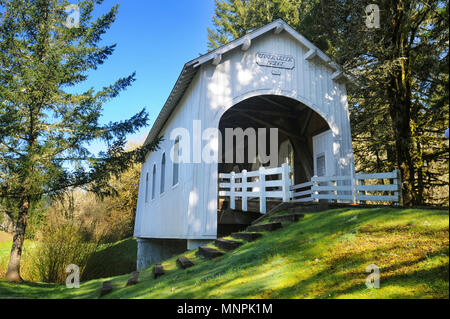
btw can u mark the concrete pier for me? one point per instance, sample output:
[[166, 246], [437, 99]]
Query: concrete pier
[[153, 250]]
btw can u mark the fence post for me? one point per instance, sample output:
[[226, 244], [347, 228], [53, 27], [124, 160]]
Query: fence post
[[315, 184], [398, 181], [232, 192], [262, 190], [335, 192], [362, 182], [286, 182], [244, 190], [354, 182]]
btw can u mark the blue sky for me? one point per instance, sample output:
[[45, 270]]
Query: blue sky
[[155, 39]]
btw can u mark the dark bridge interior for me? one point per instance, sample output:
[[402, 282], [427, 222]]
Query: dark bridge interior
[[294, 120], [296, 123]]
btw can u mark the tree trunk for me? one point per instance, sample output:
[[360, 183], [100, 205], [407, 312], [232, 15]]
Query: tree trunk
[[403, 142], [13, 272], [399, 93], [420, 177]]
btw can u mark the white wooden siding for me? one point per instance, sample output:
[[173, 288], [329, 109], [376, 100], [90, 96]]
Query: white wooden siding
[[189, 210]]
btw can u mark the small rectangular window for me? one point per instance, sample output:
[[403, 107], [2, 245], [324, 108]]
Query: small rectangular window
[[176, 159], [320, 162], [153, 181], [163, 173], [146, 187]]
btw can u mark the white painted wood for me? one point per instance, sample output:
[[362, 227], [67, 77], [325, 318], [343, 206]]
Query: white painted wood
[[303, 185], [332, 196], [336, 76], [356, 188], [244, 190], [217, 59], [311, 54], [303, 193], [276, 183], [388, 187], [246, 43], [359, 182], [331, 188], [323, 146], [285, 167], [353, 182], [278, 29], [398, 185], [232, 191], [330, 178], [228, 189], [262, 189], [253, 174], [315, 185], [378, 198], [189, 210], [273, 171], [392, 174]]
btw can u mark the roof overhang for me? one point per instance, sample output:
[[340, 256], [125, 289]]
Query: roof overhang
[[190, 68]]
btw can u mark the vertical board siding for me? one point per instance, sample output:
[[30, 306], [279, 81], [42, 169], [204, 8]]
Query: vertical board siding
[[190, 209]]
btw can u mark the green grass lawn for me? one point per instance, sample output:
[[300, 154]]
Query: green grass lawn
[[325, 255], [5, 244], [112, 259], [109, 259]]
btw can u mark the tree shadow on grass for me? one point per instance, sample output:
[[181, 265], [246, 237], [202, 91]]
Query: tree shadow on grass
[[27, 290], [266, 268]]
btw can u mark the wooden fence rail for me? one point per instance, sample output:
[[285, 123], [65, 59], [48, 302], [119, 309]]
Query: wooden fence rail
[[353, 188], [350, 189], [254, 184]]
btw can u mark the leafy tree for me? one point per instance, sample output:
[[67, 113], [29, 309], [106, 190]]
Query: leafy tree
[[399, 109], [45, 129], [234, 18]]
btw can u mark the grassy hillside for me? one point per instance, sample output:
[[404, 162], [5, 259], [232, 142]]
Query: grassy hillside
[[322, 256], [109, 259], [112, 259]]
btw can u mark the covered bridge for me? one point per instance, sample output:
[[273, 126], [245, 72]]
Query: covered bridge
[[272, 78]]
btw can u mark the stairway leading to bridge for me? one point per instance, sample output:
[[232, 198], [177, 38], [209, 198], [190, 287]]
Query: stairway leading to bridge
[[223, 246], [230, 221]]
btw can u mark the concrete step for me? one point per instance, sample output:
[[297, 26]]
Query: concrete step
[[158, 271], [252, 204], [264, 227], [309, 208], [229, 216], [106, 288], [246, 236], [208, 252], [227, 244], [278, 208], [287, 218], [133, 280], [184, 262]]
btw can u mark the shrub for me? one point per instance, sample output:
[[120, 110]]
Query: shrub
[[62, 242]]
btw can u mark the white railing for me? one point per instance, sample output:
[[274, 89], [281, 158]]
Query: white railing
[[256, 184], [394, 188], [275, 183], [350, 188], [302, 192]]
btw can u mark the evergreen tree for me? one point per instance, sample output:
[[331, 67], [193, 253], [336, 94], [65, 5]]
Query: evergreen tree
[[399, 109], [44, 128]]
